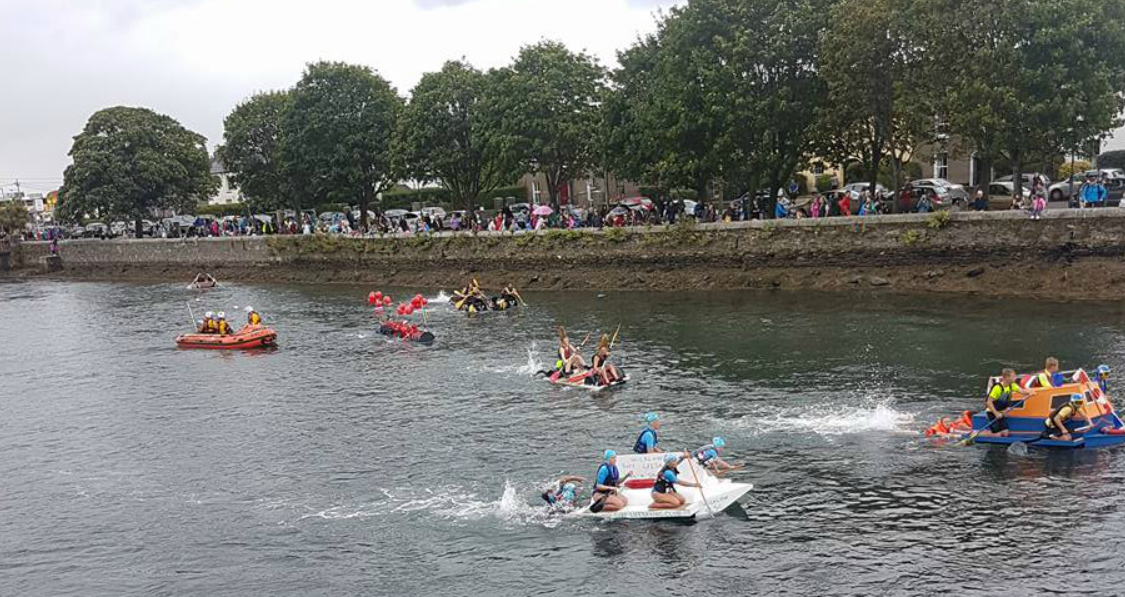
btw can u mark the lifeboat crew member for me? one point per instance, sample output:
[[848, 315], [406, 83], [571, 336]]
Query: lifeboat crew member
[[606, 482], [252, 316], [563, 495], [664, 496], [1103, 378], [569, 359], [647, 441], [222, 327], [1001, 397], [1056, 422], [605, 371], [208, 324], [1049, 377], [708, 456]]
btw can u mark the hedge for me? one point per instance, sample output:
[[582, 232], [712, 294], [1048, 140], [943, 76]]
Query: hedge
[[1112, 159]]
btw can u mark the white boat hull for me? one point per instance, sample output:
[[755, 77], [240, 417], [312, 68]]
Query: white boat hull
[[720, 494]]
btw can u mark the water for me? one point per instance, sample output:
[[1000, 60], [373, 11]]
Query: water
[[344, 463]]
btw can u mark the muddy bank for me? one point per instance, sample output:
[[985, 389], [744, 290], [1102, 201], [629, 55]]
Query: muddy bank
[[1071, 255]]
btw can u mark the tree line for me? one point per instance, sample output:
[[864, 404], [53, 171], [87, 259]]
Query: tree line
[[737, 92]]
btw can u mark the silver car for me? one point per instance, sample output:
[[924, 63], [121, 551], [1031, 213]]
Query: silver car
[[948, 193]]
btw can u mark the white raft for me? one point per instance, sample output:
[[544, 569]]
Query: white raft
[[720, 493]]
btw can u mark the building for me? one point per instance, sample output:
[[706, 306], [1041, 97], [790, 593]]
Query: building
[[585, 192], [226, 193]]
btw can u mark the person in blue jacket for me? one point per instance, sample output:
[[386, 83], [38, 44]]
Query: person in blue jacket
[[648, 439], [1093, 193]]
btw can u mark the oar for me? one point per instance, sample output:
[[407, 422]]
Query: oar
[[699, 480], [973, 436], [614, 340], [192, 315], [517, 293], [599, 504]]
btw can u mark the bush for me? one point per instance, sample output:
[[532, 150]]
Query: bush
[[230, 209], [823, 183], [405, 199], [1079, 166], [1112, 159]]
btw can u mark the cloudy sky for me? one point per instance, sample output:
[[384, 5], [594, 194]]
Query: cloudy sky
[[195, 59]]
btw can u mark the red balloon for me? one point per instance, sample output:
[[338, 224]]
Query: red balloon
[[416, 303], [425, 302], [378, 294], [371, 298], [409, 310], [387, 301]]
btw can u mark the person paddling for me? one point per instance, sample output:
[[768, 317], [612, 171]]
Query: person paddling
[[648, 439], [606, 483], [563, 495], [708, 456], [606, 373], [664, 496], [1056, 423], [1001, 397]]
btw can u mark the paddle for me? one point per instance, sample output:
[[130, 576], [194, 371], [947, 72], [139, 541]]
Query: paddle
[[699, 480], [614, 340], [191, 313], [599, 504], [973, 436], [1024, 445], [517, 293]]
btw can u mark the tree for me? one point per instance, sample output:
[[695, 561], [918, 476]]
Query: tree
[[1112, 159], [13, 216], [130, 162], [878, 88], [1044, 78], [448, 134], [336, 135], [251, 150], [550, 99]]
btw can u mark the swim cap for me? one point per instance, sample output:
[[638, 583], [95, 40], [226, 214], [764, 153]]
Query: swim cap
[[210, 314], [650, 417], [570, 487], [1103, 368], [718, 442], [610, 454], [1076, 398], [670, 457]]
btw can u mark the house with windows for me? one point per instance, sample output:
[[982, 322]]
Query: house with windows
[[226, 194], [585, 192]]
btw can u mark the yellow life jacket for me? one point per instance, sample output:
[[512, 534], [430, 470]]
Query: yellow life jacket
[[223, 327], [254, 318], [205, 328], [1044, 379]]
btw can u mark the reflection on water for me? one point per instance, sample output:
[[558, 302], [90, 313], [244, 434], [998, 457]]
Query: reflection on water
[[347, 463]]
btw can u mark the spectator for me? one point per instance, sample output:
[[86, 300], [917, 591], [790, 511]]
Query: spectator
[[845, 204]]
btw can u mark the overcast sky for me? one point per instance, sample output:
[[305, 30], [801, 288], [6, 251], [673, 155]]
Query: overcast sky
[[195, 59]]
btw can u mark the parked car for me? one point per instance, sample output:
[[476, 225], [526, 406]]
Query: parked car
[[1029, 180], [948, 193], [856, 190], [1061, 190], [434, 212], [1114, 183], [1000, 195]]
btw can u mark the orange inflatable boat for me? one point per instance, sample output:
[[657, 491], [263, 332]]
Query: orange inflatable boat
[[251, 336]]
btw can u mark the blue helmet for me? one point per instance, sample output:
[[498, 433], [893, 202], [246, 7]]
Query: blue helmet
[[610, 454], [1077, 398], [651, 417], [1103, 368], [671, 457]]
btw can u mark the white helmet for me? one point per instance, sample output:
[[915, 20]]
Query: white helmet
[[222, 315], [209, 314], [249, 309]]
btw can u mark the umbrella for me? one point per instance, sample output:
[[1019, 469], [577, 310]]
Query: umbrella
[[543, 210]]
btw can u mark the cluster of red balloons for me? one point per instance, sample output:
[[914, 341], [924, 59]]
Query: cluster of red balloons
[[378, 299]]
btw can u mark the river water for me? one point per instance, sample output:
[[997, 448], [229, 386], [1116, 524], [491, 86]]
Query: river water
[[343, 463]]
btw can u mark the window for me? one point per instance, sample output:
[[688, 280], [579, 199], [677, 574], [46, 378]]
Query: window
[[941, 166], [535, 192]]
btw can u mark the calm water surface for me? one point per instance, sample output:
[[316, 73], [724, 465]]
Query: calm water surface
[[342, 463]]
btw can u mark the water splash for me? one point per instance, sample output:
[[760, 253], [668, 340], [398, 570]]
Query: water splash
[[441, 298], [825, 420], [533, 364]]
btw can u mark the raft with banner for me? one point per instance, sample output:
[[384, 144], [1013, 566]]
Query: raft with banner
[[713, 497], [1027, 417], [249, 337]]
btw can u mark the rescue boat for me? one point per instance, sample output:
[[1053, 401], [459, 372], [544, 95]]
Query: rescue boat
[[419, 336], [1027, 421], [251, 336], [713, 497]]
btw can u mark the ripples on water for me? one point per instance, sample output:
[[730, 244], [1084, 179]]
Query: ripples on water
[[344, 463]]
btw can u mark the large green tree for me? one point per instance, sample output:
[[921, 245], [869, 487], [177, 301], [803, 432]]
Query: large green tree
[[880, 88], [130, 162], [337, 135], [1027, 77], [448, 134], [13, 216], [550, 98], [251, 150]]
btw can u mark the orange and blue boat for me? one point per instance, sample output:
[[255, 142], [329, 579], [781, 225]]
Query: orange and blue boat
[[1027, 421]]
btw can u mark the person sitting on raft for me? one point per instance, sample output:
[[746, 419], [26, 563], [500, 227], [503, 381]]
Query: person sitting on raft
[[569, 360], [1056, 423], [708, 456], [647, 441], [563, 495], [221, 326], [606, 483], [606, 372], [1001, 398], [664, 496], [1103, 378], [208, 326], [252, 316], [1049, 377]]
